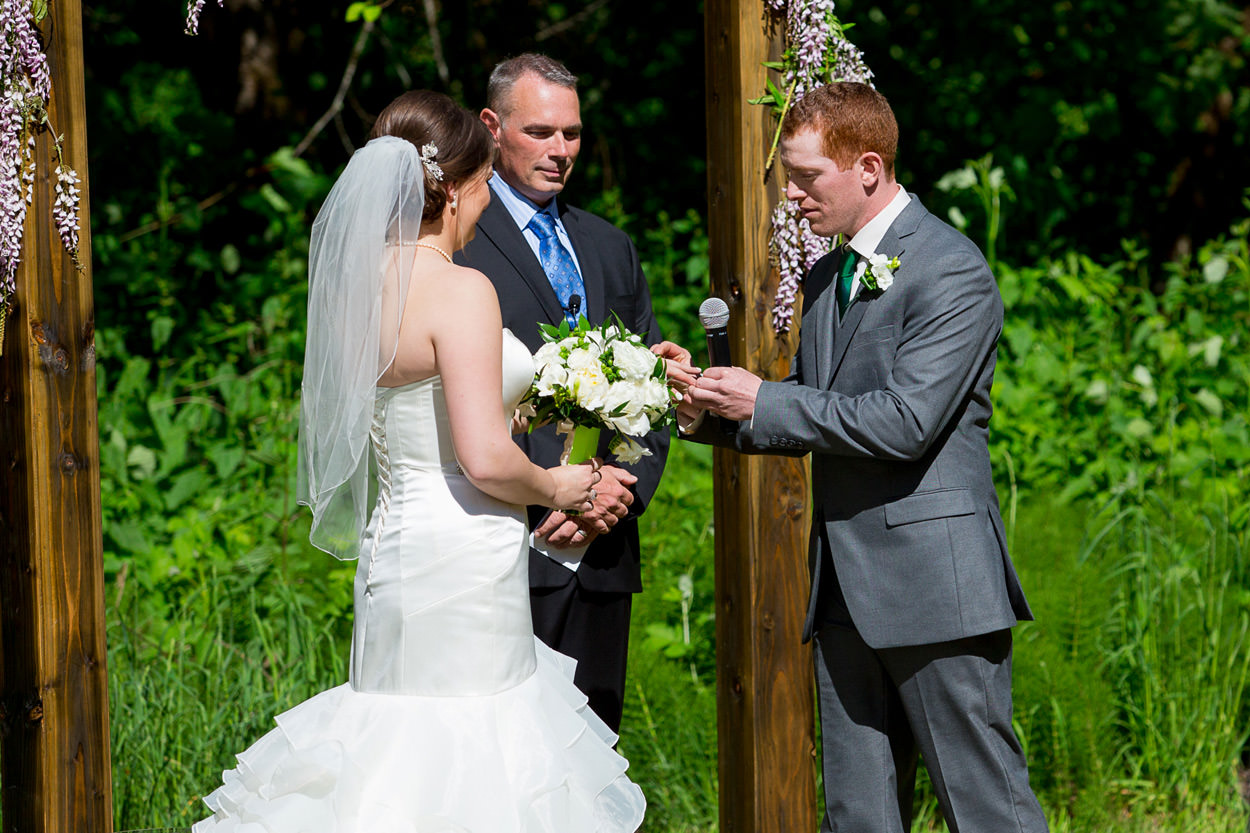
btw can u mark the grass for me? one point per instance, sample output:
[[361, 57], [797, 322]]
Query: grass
[[1130, 686]]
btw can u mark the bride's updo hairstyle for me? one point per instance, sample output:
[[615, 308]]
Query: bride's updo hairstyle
[[464, 144]]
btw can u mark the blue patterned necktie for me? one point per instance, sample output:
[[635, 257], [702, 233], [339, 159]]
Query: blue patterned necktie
[[559, 266]]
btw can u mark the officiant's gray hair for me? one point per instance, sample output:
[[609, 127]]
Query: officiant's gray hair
[[506, 73]]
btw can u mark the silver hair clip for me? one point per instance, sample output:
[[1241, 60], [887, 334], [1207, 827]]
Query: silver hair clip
[[428, 152]]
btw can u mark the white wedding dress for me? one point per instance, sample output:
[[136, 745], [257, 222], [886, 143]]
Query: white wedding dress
[[456, 718]]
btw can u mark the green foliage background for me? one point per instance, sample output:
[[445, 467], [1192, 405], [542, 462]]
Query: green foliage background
[[1107, 174]]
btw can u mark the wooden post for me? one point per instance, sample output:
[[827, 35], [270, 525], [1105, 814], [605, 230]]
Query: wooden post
[[55, 775], [765, 687]]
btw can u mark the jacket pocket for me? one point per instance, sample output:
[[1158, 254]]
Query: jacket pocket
[[928, 506], [874, 335]]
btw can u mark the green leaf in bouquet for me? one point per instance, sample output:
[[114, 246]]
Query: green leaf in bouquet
[[614, 320]]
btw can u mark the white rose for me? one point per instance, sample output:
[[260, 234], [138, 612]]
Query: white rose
[[635, 418], [551, 376], [549, 352], [585, 358], [635, 362], [659, 395], [590, 387], [622, 393]]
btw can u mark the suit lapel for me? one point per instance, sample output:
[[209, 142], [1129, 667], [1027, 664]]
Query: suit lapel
[[842, 334], [497, 224], [892, 245], [823, 314], [588, 261]]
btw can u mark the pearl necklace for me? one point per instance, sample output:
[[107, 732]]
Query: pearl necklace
[[446, 256]]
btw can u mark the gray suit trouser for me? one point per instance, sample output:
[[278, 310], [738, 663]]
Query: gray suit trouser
[[950, 702]]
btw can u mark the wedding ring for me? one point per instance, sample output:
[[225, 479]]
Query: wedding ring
[[593, 495]]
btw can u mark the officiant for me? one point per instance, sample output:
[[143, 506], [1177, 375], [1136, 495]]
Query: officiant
[[551, 262]]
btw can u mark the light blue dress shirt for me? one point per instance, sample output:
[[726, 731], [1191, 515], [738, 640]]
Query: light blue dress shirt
[[523, 209]]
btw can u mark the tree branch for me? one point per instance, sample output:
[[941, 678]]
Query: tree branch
[[337, 104], [331, 114], [436, 41], [569, 22]]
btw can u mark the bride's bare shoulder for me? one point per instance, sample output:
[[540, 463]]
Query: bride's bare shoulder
[[434, 279], [455, 297], [472, 279]]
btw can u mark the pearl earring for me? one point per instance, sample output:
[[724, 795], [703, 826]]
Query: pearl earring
[[455, 199]]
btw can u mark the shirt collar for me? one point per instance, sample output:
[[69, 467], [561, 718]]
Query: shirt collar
[[866, 241], [521, 207]]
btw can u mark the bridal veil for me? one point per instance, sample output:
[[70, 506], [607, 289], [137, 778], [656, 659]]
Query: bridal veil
[[359, 265]]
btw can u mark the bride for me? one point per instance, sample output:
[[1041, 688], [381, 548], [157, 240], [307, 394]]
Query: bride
[[455, 717]]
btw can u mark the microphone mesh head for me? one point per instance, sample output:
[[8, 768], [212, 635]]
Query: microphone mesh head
[[713, 313]]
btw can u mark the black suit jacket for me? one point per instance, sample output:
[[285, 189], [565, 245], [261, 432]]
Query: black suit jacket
[[614, 284]]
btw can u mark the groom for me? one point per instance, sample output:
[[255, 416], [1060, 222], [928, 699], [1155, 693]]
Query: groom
[[551, 262], [913, 594]]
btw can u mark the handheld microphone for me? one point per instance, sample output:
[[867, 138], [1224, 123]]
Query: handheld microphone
[[714, 316]]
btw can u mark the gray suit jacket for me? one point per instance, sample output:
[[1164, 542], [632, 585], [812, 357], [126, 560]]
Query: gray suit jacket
[[893, 402]]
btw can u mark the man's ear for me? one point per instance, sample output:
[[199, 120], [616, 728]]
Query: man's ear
[[872, 168], [492, 121]]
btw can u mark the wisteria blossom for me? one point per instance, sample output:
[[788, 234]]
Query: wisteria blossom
[[194, 7], [24, 69], [65, 209], [818, 49], [817, 53], [795, 248], [27, 85]]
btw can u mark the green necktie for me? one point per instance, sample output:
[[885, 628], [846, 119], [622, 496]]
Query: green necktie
[[845, 278]]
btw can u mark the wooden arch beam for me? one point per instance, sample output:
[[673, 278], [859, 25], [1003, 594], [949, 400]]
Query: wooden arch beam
[[54, 755], [765, 687]]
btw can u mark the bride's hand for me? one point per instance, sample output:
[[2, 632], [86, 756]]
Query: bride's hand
[[677, 367], [575, 485]]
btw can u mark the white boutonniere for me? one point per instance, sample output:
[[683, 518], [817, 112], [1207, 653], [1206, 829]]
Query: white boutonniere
[[879, 273]]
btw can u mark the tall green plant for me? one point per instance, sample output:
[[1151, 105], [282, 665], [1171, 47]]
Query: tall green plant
[[988, 184], [1179, 653]]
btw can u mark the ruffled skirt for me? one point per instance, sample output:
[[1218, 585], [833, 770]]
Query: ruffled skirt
[[531, 759]]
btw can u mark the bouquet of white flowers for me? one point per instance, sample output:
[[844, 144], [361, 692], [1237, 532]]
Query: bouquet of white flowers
[[594, 378]]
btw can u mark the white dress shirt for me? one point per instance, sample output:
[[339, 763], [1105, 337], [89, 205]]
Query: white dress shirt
[[867, 239]]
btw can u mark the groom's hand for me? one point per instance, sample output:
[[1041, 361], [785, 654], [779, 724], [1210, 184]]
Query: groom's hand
[[612, 502], [726, 391], [565, 532]]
